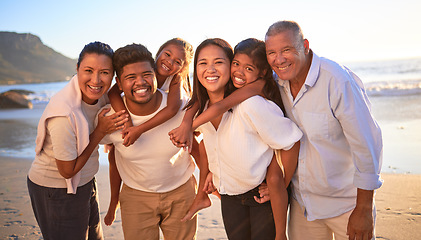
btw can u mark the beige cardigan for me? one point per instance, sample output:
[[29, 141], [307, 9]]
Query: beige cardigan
[[67, 103]]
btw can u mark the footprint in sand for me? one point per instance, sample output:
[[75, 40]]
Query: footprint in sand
[[8, 210], [13, 236], [8, 224]]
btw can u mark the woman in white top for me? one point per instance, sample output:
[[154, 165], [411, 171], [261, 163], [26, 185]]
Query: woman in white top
[[239, 144], [61, 180]]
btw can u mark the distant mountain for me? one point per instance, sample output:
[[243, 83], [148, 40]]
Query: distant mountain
[[25, 59]]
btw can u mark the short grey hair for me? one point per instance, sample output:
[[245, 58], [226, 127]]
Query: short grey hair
[[283, 26]]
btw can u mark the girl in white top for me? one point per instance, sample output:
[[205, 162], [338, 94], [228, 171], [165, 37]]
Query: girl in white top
[[67, 156], [239, 143]]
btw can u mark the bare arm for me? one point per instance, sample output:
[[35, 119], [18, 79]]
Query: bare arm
[[238, 96], [182, 136], [117, 103], [289, 160], [173, 106], [106, 124], [278, 197], [361, 224]]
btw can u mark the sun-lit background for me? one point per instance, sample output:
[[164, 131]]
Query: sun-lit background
[[377, 39], [341, 30]]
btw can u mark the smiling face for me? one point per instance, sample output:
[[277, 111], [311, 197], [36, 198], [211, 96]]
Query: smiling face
[[95, 74], [138, 83], [170, 60], [213, 71], [243, 70], [287, 56]]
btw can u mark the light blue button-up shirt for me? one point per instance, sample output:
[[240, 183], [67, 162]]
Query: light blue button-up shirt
[[341, 149]]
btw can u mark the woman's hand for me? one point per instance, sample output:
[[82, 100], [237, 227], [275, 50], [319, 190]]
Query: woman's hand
[[111, 123]]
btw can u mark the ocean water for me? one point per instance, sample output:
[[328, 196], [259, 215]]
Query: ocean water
[[393, 86]]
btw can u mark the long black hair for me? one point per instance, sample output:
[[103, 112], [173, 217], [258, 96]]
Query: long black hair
[[200, 94]]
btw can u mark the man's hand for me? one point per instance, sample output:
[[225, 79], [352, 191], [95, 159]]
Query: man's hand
[[361, 224]]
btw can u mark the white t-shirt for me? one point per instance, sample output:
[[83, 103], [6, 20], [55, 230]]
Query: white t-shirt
[[240, 151], [152, 163], [166, 88], [60, 143]]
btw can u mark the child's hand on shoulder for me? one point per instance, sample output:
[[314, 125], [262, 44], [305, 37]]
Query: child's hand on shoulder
[[130, 135]]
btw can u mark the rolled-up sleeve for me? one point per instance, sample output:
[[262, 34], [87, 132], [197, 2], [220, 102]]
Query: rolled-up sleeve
[[352, 109]]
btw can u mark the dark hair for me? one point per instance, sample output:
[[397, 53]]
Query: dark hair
[[95, 47], [200, 93], [256, 50], [188, 55], [129, 54]]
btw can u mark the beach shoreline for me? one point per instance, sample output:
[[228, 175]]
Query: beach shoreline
[[397, 202]]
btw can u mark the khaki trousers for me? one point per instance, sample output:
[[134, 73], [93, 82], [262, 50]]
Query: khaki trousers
[[321, 229], [143, 213]]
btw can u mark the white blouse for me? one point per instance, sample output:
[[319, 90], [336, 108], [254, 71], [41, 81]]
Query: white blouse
[[241, 149]]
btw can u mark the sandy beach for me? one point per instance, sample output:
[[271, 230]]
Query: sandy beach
[[398, 201], [17, 220], [398, 204]]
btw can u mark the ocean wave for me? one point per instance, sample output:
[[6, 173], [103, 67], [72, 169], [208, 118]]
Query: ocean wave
[[393, 88], [374, 88], [41, 97]]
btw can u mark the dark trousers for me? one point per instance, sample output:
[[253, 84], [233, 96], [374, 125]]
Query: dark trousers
[[245, 219], [66, 216]]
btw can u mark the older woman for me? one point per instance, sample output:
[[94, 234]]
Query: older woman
[[61, 180]]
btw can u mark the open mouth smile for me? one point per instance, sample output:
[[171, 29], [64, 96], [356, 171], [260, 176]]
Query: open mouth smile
[[284, 68], [239, 81], [95, 89], [165, 67], [211, 79]]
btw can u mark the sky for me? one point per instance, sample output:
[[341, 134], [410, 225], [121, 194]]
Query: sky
[[344, 31]]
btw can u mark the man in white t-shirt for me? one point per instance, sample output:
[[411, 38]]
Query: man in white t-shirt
[[158, 185]]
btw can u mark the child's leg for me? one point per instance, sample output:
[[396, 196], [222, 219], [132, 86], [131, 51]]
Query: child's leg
[[278, 197], [115, 183], [202, 199]]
